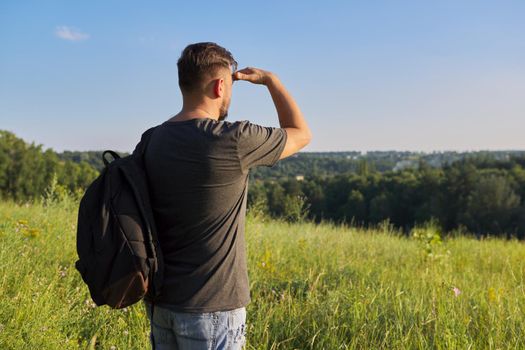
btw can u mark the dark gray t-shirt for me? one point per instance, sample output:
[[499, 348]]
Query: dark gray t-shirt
[[198, 176]]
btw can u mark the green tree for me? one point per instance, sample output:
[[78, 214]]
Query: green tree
[[491, 204]]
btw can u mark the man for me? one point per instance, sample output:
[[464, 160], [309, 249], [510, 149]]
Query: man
[[198, 166]]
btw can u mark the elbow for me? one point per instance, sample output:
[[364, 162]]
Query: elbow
[[307, 137], [304, 140]]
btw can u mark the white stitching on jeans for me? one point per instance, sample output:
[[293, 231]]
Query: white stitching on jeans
[[215, 322]]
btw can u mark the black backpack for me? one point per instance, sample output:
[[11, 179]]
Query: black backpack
[[119, 256]]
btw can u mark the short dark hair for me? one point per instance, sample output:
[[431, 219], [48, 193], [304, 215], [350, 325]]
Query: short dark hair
[[200, 60]]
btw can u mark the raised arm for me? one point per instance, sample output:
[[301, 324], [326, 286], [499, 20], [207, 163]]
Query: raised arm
[[290, 117]]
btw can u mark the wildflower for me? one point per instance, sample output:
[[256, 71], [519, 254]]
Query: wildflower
[[62, 271], [456, 291], [22, 222], [32, 233], [90, 303], [302, 243], [492, 294]]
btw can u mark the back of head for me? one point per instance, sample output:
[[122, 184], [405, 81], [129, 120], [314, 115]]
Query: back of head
[[201, 61]]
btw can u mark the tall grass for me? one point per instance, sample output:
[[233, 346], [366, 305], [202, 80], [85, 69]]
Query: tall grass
[[312, 286]]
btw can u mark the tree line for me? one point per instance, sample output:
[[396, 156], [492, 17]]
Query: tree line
[[478, 194], [333, 163], [27, 171]]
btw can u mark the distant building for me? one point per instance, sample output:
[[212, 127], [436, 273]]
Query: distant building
[[352, 157], [299, 177], [404, 164]]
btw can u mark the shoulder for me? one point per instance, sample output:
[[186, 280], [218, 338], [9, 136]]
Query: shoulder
[[234, 129], [247, 128], [145, 138], [234, 125], [222, 129]]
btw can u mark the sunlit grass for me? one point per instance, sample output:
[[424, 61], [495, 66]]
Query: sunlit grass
[[312, 286]]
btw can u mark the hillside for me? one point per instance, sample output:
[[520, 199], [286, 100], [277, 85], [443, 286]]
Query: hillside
[[313, 287]]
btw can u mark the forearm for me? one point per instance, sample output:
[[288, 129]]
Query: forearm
[[290, 116]]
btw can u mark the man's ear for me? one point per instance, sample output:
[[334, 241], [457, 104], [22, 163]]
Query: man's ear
[[218, 87]]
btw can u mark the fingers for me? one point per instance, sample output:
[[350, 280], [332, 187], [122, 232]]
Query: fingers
[[239, 76], [242, 74], [247, 70], [250, 74]]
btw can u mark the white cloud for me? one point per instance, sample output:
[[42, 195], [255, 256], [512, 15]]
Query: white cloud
[[71, 34]]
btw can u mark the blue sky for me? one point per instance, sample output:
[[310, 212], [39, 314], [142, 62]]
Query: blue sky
[[368, 75]]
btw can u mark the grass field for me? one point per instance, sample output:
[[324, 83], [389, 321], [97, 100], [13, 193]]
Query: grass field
[[313, 287]]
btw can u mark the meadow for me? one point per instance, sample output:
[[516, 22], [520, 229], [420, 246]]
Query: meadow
[[313, 287]]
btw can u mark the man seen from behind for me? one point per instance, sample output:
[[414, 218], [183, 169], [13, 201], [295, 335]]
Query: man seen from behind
[[198, 165]]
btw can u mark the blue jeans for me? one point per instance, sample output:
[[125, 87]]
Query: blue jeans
[[221, 330]]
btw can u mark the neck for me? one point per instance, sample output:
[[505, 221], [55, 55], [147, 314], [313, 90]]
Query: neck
[[198, 109]]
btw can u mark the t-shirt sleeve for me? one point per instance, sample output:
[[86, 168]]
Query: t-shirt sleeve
[[259, 145]]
